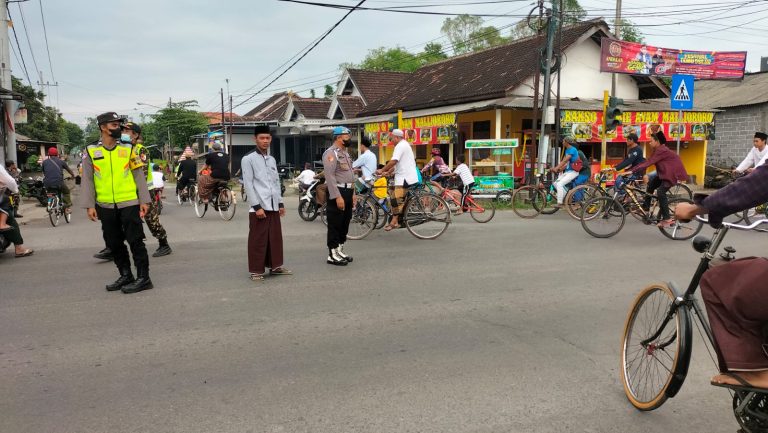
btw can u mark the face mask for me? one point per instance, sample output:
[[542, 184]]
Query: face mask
[[115, 133], [125, 138], [346, 143]]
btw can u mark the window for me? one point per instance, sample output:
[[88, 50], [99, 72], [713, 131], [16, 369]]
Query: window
[[481, 130]]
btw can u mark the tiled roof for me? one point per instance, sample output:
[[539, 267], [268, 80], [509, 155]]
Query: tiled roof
[[270, 110], [475, 76], [215, 117], [723, 94], [350, 105], [374, 85], [312, 108]]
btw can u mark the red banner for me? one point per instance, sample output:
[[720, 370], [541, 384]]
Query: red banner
[[639, 59]]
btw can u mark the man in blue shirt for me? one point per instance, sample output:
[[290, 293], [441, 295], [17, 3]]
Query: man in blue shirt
[[366, 162], [567, 172]]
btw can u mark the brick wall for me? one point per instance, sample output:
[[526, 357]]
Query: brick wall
[[734, 130]]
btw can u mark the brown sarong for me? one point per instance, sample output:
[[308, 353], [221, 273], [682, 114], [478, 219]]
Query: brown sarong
[[265, 242], [205, 185], [736, 297]]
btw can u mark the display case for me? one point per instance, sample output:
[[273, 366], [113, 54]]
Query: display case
[[492, 162]]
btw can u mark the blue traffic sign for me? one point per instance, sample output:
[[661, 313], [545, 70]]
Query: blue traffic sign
[[681, 97]]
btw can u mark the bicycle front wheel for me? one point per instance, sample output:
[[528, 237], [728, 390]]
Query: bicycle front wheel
[[426, 216], [481, 210], [548, 207], [680, 230], [363, 220], [226, 204], [523, 201], [655, 348], [602, 217], [307, 210], [200, 207], [577, 197]]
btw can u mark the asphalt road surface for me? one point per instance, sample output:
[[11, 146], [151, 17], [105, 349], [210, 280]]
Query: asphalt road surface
[[510, 326]]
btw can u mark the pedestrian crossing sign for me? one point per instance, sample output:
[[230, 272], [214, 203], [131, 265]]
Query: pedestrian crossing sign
[[681, 97]]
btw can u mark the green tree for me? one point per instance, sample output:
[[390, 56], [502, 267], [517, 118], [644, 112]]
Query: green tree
[[390, 59], [91, 131], [459, 30], [178, 122], [312, 93], [433, 52], [71, 134], [329, 91], [630, 33], [485, 37], [573, 13]]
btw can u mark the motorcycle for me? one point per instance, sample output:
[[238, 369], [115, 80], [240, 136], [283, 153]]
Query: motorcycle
[[4, 243], [284, 172], [30, 187], [308, 206]]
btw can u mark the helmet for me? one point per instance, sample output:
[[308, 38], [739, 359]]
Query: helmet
[[341, 130], [53, 152], [435, 151]]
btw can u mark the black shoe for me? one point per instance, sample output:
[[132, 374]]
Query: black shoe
[[126, 277], [340, 252], [332, 261], [162, 250], [18, 215], [105, 254], [141, 283]]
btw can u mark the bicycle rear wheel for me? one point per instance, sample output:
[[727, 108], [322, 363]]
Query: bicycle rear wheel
[[426, 216], [602, 217], [755, 214], [363, 220], [680, 230], [53, 211], [226, 204], [680, 190], [651, 364], [381, 214], [200, 207], [481, 210], [577, 197], [548, 205], [523, 201]]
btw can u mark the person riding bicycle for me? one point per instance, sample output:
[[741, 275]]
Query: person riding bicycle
[[158, 178], [406, 174], [436, 167], [669, 169], [467, 180], [567, 169], [756, 156], [634, 157], [735, 292], [186, 173], [218, 163], [53, 177], [366, 162]]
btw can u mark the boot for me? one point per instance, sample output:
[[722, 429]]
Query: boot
[[126, 277], [334, 258], [105, 254], [340, 250], [163, 250], [142, 283]]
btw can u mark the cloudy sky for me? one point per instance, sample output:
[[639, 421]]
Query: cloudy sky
[[111, 55]]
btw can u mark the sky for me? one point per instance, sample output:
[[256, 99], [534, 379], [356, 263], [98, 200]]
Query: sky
[[110, 56]]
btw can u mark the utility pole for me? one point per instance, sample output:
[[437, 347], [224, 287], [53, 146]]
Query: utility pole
[[617, 33], [9, 106], [536, 78], [231, 130], [44, 84], [223, 125], [544, 136]]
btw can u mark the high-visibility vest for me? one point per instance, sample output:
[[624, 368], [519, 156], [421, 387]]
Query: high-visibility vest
[[144, 154], [112, 177]]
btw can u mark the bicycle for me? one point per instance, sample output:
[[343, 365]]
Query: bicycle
[[657, 340], [531, 200], [187, 193], [480, 209], [222, 201], [579, 195], [604, 216], [55, 207]]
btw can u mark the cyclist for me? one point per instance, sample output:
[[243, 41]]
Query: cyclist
[[218, 164], [158, 178], [734, 293], [406, 174], [634, 157], [566, 168], [366, 162], [669, 171], [186, 173], [756, 156], [467, 180], [436, 167], [53, 176]]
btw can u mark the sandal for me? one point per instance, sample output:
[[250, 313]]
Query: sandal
[[25, 253], [280, 271], [390, 227], [257, 277]]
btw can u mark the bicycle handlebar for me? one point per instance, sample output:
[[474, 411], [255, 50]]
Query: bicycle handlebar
[[736, 226]]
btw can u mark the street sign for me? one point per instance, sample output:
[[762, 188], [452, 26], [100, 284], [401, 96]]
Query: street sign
[[681, 97]]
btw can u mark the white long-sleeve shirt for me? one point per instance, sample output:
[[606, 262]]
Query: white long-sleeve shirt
[[7, 182], [754, 158]]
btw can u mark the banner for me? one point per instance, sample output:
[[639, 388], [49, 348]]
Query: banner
[[587, 126], [436, 129], [624, 57]]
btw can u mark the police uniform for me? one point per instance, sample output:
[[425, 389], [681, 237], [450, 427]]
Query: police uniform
[[340, 180], [115, 184], [152, 218]]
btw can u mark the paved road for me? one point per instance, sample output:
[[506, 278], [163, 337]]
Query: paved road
[[512, 326]]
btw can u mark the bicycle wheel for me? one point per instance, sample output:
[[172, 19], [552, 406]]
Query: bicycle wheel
[[426, 216], [481, 210], [654, 360], [381, 214], [200, 207], [602, 217], [523, 201], [577, 197], [363, 220], [755, 214], [226, 204], [308, 210], [322, 214], [53, 211], [179, 199], [680, 190], [548, 205], [680, 230]]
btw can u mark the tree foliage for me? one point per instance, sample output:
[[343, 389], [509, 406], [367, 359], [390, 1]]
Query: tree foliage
[[630, 33], [572, 14], [329, 91], [460, 29], [176, 124], [45, 123], [390, 59]]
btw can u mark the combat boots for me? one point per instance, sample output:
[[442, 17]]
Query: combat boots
[[141, 283], [126, 277]]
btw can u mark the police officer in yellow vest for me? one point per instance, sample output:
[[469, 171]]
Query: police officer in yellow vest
[[132, 134], [114, 190]]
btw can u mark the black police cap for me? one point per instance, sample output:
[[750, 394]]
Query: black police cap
[[110, 116]]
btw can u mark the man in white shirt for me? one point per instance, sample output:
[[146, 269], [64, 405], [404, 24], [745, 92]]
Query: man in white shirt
[[463, 171], [406, 174], [306, 177], [366, 162], [756, 156]]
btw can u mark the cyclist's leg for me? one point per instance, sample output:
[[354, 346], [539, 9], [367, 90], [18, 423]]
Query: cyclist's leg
[[562, 180], [580, 180], [398, 200], [661, 196], [66, 195], [653, 183]]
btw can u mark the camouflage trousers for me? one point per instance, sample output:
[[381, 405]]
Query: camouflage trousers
[[152, 218]]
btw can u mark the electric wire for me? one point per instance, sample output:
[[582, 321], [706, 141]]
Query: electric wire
[[21, 54], [29, 42], [45, 35]]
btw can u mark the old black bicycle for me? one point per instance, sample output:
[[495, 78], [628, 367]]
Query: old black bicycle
[[222, 200], [658, 334]]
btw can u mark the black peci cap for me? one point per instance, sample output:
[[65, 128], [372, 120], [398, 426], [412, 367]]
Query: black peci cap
[[262, 129], [110, 116]]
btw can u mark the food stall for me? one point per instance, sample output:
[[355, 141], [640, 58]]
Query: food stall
[[492, 163]]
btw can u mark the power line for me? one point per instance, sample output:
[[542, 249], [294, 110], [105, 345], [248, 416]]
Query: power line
[[328, 32], [17, 59], [45, 34], [21, 54], [29, 42]]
